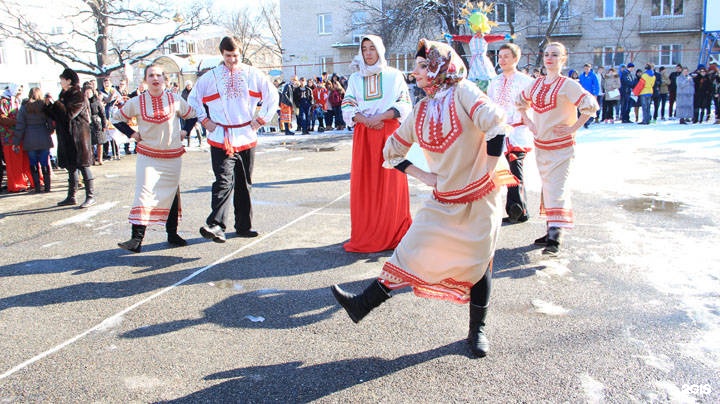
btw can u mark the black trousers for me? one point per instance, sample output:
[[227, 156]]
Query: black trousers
[[480, 292], [516, 195], [73, 177], [233, 178]]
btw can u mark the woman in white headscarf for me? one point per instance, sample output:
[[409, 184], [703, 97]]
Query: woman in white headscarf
[[447, 252], [376, 102]]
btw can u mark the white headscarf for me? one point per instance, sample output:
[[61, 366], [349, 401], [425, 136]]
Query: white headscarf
[[359, 62]]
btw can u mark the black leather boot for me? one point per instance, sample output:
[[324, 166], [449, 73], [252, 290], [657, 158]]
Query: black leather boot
[[171, 225], [72, 188], [35, 174], [89, 194], [135, 242], [46, 177], [554, 237], [288, 132], [477, 340], [358, 306]]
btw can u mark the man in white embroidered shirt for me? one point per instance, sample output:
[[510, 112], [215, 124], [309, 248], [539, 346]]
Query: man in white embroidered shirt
[[231, 93]]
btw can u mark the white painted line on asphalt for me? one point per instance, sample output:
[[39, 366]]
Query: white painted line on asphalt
[[116, 317], [92, 211]]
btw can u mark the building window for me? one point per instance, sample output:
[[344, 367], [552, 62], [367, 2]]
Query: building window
[[609, 8], [504, 13], [667, 7], [669, 55], [548, 7], [402, 62], [324, 24], [327, 65], [30, 58], [608, 56]]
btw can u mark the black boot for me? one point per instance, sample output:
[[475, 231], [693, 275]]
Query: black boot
[[72, 188], [135, 242], [35, 174], [358, 306], [46, 177], [477, 340], [171, 225], [89, 194], [553, 241], [288, 132]]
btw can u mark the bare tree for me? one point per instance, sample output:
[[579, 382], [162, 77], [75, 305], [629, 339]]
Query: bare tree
[[102, 36], [396, 21], [271, 18], [257, 31]]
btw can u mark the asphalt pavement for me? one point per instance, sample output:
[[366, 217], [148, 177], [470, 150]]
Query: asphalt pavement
[[253, 320]]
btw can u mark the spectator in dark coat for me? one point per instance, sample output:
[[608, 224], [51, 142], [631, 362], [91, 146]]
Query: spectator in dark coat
[[71, 113], [32, 132]]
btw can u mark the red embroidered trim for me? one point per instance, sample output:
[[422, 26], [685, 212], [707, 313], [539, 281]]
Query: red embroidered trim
[[148, 215], [539, 103], [234, 149], [401, 140], [160, 113], [579, 99], [209, 98], [190, 110], [476, 189], [447, 289], [475, 107], [555, 144], [260, 120], [158, 153], [437, 142], [255, 94], [123, 114]]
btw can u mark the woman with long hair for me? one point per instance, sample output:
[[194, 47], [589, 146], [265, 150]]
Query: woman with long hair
[[33, 134]]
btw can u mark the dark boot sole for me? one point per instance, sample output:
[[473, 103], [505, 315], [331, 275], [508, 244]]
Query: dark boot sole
[[211, 236], [127, 246]]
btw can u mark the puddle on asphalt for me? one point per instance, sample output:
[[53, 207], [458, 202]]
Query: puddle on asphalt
[[651, 203]]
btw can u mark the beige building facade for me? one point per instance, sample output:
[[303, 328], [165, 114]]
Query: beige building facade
[[318, 36]]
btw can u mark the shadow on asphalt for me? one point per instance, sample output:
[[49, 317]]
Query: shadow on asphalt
[[512, 262], [279, 309], [293, 382], [277, 184], [338, 177]]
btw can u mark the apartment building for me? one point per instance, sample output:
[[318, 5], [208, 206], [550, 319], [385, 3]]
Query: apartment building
[[317, 35]]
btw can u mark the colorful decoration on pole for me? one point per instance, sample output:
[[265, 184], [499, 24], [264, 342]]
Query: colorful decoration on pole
[[475, 16]]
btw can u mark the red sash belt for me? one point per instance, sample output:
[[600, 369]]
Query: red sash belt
[[226, 135]]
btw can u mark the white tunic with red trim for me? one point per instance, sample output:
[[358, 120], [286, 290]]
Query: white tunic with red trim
[[232, 99], [503, 91], [554, 104], [451, 241], [376, 94], [158, 164]]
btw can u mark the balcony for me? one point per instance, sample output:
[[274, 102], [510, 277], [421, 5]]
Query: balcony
[[681, 24], [565, 28]]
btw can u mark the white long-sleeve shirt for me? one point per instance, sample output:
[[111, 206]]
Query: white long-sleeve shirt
[[231, 98]]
